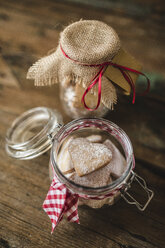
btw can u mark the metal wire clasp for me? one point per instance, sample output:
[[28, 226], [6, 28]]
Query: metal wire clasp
[[53, 133], [129, 198]]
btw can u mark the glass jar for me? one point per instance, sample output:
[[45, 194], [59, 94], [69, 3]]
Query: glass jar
[[38, 129], [67, 97], [94, 126]]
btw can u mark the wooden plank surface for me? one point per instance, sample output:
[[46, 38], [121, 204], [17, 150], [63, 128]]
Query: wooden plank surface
[[28, 29]]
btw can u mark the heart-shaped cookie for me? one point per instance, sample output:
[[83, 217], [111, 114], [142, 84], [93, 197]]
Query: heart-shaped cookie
[[118, 163], [63, 160], [87, 156]]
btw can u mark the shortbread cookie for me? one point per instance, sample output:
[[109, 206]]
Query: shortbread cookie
[[102, 176], [87, 156], [95, 179], [94, 138], [118, 163], [63, 160]]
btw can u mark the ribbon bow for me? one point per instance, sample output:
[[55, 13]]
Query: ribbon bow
[[59, 202], [97, 79]]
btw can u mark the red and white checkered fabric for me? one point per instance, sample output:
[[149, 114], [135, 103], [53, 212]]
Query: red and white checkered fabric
[[60, 201]]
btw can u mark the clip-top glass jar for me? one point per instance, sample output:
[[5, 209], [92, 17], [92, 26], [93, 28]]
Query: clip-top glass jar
[[78, 65], [38, 129]]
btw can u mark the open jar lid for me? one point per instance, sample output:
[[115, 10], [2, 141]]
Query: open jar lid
[[28, 136]]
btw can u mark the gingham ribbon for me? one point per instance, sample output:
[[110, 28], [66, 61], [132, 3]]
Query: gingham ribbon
[[60, 201]]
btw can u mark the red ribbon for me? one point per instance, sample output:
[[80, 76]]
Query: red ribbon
[[97, 79]]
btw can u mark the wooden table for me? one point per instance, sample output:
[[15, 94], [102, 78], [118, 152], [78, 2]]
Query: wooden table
[[28, 29]]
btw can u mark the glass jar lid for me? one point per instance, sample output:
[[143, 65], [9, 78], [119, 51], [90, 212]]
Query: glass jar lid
[[28, 136]]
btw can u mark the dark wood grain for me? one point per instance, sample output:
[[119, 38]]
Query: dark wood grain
[[28, 29]]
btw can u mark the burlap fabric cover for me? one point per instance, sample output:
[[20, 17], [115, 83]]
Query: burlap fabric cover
[[88, 42]]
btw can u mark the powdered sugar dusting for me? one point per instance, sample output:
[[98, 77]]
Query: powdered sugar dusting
[[102, 176], [118, 162], [87, 156]]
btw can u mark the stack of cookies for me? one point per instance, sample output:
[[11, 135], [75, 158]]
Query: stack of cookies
[[91, 162]]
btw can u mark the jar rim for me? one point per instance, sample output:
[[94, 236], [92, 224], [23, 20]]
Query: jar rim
[[39, 142], [93, 190], [19, 119]]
